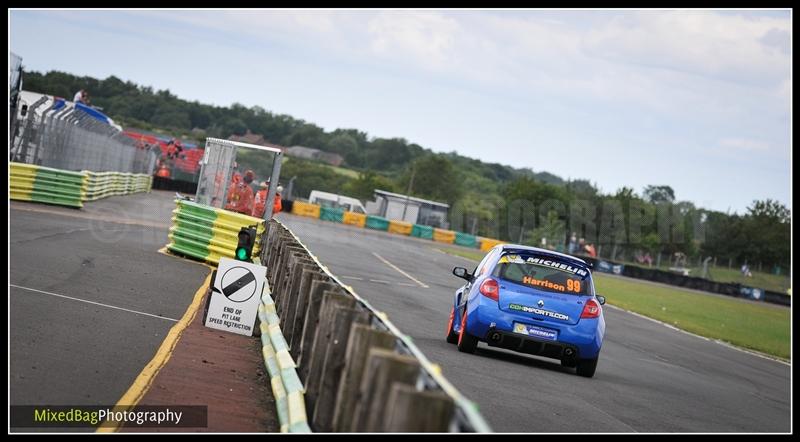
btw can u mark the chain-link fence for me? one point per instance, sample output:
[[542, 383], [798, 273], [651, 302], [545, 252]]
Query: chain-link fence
[[53, 133]]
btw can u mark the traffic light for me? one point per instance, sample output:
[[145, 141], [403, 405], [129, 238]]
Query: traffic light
[[247, 239]]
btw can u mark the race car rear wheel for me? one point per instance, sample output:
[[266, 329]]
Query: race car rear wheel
[[452, 336], [587, 367], [466, 342]]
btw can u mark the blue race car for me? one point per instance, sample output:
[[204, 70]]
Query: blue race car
[[532, 301]]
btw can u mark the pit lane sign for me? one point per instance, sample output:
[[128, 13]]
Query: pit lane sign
[[235, 295]]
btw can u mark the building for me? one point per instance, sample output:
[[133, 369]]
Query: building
[[309, 153], [409, 209], [258, 140]]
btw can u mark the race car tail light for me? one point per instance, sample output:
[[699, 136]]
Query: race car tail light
[[591, 309], [490, 289]]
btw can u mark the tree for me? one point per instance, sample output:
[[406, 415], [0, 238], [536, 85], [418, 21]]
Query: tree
[[435, 178], [770, 210], [364, 187], [659, 194]]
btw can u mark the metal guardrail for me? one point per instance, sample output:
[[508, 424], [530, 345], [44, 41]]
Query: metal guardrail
[[465, 417]]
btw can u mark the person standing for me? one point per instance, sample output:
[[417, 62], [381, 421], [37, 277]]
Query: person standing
[[240, 198], [261, 200]]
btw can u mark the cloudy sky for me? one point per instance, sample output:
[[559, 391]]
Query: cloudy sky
[[698, 100]]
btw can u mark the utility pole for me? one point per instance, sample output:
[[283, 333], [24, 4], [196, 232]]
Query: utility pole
[[408, 192]]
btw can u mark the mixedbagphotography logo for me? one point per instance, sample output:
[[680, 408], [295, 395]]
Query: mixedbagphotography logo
[[82, 416]]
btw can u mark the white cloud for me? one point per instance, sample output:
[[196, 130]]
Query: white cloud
[[730, 47], [744, 144], [427, 39]]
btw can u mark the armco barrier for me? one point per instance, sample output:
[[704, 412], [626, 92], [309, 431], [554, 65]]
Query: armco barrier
[[349, 357], [400, 227], [28, 182], [306, 209], [208, 233], [354, 219], [377, 223], [444, 236]]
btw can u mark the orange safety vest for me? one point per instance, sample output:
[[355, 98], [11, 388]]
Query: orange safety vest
[[240, 199], [261, 201]]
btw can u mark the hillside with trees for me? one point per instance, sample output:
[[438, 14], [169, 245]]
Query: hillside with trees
[[488, 199]]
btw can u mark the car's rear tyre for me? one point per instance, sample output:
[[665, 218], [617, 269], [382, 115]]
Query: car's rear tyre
[[466, 342], [587, 367], [452, 336]]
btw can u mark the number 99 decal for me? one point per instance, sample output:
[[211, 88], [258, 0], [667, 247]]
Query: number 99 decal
[[574, 285]]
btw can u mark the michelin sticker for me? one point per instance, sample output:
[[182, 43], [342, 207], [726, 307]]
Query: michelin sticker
[[544, 262]]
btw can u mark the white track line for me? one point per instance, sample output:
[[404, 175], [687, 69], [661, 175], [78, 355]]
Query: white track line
[[356, 278], [717, 341], [421, 284], [92, 302]]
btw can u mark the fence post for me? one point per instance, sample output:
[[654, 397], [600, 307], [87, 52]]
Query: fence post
[[301, 352], [383, 369], [297, 309], [362, 339], [412, 411], [333, 365], [330, 302], [285, 311]]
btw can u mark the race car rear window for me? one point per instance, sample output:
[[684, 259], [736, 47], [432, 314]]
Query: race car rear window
[[544, 273]]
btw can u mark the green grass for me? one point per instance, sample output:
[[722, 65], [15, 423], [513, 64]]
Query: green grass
[[761, 327], [469, 254], [350, 173]]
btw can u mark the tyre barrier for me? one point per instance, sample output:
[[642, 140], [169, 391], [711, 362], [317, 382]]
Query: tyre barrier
[[306, 209], [358, 372], [377, 223], [28, 182], [354, 219], [105, 184], [488, 243], [331, 214], [393, 226], [400, 227], [207, 233], [444, 236]]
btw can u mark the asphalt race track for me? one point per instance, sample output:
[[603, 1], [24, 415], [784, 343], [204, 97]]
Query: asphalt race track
[[650, 378], [90, 297]]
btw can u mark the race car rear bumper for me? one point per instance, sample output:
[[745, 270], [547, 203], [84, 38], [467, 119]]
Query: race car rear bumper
[[529, 345]]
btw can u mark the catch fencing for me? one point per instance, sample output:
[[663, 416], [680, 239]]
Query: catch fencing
[[51, 132], [358, 372]]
